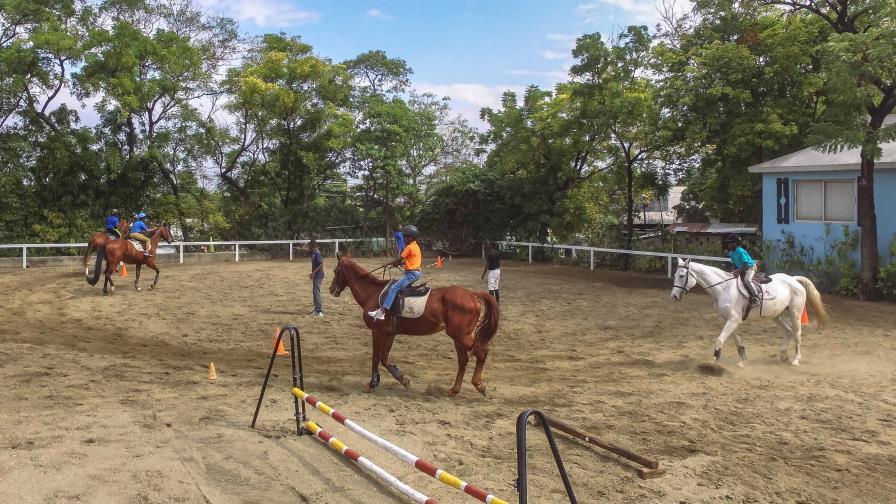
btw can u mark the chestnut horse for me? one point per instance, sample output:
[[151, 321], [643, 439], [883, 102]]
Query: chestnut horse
[[99, 239], [123, 250], [453, 309]]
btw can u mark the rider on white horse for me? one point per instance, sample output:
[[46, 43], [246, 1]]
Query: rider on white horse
[[745, 265]]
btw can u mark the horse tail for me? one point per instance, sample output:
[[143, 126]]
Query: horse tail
[[90, 247], [488, 327], [813, 299], [97, 269]]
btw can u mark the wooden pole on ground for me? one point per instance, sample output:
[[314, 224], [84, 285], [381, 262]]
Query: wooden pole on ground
[[651, 467]]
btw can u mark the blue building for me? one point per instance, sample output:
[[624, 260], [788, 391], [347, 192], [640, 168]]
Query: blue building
[[807, 191]]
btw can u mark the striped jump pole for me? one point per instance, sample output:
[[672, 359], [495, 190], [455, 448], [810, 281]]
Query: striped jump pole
[[366, 464], [405, 456]]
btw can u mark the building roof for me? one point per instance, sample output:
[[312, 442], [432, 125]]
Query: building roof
[[811, 160], [715, 229]]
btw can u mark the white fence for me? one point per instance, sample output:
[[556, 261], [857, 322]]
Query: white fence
[[236, 245], [591, 250]]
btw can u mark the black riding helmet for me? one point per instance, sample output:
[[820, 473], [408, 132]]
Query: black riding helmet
[[732, 238], [410, 231]]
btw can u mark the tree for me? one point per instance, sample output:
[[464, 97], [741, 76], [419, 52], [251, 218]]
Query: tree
[[616, 102], [860, 91]]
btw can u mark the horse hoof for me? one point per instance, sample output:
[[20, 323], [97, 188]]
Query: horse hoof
[[481, 389], [740, 364], [138, 289], [368, 388], [453, 392], [151, 287], [795, 363], [406, 383]]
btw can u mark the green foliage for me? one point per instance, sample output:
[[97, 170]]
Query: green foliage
[[886, 279], [836, 270]]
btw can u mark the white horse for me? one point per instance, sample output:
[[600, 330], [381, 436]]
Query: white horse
[[785, 298]]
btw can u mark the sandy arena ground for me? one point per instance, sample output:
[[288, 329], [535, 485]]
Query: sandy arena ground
[[105, 399]]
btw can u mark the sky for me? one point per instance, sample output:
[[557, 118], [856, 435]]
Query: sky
[[469, 50]]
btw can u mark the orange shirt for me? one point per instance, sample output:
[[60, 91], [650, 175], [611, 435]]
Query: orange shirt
[[412, 256]]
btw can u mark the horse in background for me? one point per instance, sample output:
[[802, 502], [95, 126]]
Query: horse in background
[[116, 251], [100, 239]]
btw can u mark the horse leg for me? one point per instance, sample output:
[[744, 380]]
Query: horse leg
[[796, 332], [477, 373], [156, 279], [137, 280], [784, 323], [730, 326], [385, 348], [741, 350], [374, 363], [463, 357]]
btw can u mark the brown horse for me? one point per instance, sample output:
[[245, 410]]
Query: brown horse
[[99, 240], [453, 309], [123, 250]]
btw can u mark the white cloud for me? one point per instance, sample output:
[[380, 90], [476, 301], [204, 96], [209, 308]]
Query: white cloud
[[548, 76], [567, 40], [641, 11], [467, 99], [549, 54], [262, 13], [378, 14]]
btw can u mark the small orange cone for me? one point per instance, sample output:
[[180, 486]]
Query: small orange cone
[[439, 262], [124, 271], [805, 318], [280, 350], [212, 375]]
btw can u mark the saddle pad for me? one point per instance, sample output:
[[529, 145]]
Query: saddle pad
[[769, 290], [137, 244], [413, 306]]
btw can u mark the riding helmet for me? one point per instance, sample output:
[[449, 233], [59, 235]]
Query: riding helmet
[[733, 238], [141, 215], [410, 231]]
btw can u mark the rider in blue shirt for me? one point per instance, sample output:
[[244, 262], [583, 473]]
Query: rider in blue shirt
[[399, 241], [746, 266], [137, 228], [112, 223]]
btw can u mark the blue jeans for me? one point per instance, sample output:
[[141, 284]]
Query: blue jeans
[[408, 278], [315, 293]]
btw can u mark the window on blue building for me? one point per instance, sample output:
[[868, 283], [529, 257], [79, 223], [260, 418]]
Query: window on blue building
[[825, 200]]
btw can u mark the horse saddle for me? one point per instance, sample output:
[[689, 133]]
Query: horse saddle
[[410, 301], [111, 235], [137, 244], [762, 284]]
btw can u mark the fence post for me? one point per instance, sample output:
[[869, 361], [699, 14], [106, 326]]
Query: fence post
[[181, 253], [483, 251], [24, 257], [592, 259], [337, 248], [290, 251], [669, 265], [573, 252], [530, 254], [237, 252]]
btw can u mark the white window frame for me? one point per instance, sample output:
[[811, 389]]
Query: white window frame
[[795, 196]]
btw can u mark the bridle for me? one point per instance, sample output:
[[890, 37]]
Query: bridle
[[688, 274], [339, 271]]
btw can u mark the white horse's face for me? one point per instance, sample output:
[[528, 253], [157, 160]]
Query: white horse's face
[[683, 281]]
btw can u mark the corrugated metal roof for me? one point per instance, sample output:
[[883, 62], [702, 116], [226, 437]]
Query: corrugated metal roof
[[717, 228], [810, 160]]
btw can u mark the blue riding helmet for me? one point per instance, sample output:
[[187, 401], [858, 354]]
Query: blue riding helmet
[[141, 215]]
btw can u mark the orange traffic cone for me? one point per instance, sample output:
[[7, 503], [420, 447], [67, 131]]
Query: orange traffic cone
[[124, 271], [280, 350], [212, 375], [805, 318], [439, 262]]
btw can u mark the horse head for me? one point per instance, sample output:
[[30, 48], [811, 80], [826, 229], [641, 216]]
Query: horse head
[[683, 280], [340, 280], [165, 230]]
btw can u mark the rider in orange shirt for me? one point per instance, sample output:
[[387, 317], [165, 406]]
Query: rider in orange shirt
[[413, 260]]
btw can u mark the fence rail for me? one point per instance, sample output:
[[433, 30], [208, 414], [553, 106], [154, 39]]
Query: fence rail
[[180, 244], [668, 255]]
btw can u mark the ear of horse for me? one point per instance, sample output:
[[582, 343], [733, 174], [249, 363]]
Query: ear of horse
[[682, 261]]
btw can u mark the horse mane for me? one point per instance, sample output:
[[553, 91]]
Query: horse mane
[[358, 272]]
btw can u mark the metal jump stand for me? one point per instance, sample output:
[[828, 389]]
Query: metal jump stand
[[298, 379]]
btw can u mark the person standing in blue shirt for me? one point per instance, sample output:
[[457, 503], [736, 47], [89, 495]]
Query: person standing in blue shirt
[[139, 227], [399, 241], [746, 266], [112, 223], [316, 276]]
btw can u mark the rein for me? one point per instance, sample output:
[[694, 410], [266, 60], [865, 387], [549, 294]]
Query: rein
[[689, 273]]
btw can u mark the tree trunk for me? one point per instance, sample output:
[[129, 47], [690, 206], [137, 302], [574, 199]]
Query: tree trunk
[[629, 213], [868, 223]]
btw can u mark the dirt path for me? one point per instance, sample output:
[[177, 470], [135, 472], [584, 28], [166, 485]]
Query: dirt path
[[105, 399]]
